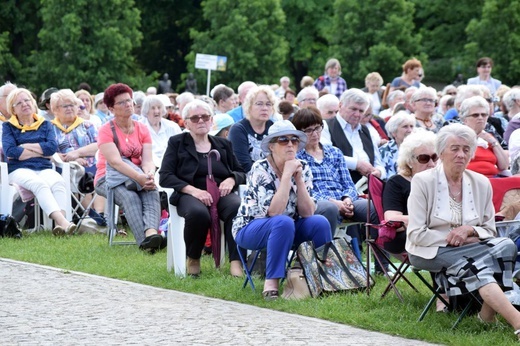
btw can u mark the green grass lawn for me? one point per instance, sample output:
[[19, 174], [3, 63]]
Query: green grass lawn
[[91, 254]]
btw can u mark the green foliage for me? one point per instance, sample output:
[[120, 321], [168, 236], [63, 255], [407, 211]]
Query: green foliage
[[8, 63], [249, 34], [87, 41], [373, 35], [496, 35], [442, 25], [306, 28]]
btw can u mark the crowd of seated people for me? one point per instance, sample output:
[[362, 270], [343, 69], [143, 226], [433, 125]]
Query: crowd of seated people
[[123, 136]]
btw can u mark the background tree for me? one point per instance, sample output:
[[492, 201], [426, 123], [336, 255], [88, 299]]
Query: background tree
[[496, 35], [166, 39], [306, 27], [19, 24], [87, 41], [249, 34], [373, 35], [442, 25]]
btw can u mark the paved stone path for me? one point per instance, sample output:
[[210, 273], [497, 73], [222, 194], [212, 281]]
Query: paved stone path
[[47, 306]]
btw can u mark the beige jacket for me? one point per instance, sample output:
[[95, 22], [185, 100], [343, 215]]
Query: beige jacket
[[430, 214]]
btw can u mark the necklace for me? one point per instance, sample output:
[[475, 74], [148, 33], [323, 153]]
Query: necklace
[[128, 131], [427, 122]]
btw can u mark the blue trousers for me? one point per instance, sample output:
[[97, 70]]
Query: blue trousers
[[278, 234]]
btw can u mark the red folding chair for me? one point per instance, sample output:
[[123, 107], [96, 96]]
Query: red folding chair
[[375, 195]]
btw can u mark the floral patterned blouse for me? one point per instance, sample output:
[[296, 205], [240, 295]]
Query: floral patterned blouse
[[389, 153], [262, 184]]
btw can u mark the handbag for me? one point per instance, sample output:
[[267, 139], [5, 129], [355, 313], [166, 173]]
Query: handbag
[[296, 285], [332, 267], [9, 227]]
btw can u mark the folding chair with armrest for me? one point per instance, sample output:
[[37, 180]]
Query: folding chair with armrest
[[375, 195]]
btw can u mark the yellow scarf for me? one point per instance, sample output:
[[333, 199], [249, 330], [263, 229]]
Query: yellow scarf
[[78, 121], [2, 118], [33, 127]]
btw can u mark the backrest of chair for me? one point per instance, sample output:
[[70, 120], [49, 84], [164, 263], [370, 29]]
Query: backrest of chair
[[505, 192], [375, 191]]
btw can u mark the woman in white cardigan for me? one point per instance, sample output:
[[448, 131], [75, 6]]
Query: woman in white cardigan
[[452, 229]]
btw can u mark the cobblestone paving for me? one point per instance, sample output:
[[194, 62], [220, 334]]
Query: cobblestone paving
[[46, 306]]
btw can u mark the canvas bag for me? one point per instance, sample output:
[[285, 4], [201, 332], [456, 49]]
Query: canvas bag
[[332, 267]]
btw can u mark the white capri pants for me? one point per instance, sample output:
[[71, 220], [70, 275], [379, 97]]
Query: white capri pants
[[48, 186]]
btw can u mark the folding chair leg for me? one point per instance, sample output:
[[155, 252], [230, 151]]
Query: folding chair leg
[[112, 221], [247, 269]]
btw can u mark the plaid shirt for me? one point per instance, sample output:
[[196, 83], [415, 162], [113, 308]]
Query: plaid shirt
[[330, 177], [324, 82]]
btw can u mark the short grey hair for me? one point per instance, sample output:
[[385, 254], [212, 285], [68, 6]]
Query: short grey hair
[[185, 97], [394, 94], [7, 85], [419, 138], [510, 98], [331, 63], [139, 97], [466, 91], [427, 91], [285, 78], [152, 100], [310, 90], [473, 101], [396, 120], [354, 95], [327, 100], [458, 131], [448, 88], [194, 104]]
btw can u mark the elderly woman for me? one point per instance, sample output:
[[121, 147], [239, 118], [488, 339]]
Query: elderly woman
[[76, 137], [328, 105], [153, 114], [489, 157], [185, 168], [423, 100], [224, 98], [451, 228], [373, 83], [411, 75], [88, 112], [398, 128], [125, 165], [247, 134], [277, 208], [331, 80], [28, 142], [416, 154]]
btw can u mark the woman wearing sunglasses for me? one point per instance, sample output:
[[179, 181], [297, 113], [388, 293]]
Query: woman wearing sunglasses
[[277, 207], [490, 158], [451, 228], [416, 154], [185, 168]]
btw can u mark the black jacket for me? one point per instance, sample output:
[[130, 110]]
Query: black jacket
[[180, 163]]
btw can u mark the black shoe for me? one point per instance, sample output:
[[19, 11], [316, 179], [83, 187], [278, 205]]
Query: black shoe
[[151, 243], [164, 243]]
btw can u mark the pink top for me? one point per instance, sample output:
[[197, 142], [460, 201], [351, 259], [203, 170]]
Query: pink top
[[130, 146]]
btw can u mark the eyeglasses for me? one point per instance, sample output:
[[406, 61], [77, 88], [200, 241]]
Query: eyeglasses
[[284, 140], [309, 100], [423, 158], [426, 100], [124, 102], [68, 106], [310, 130], [332, 112], [261, 104], [476, 115], [196, 118], [26, 102]]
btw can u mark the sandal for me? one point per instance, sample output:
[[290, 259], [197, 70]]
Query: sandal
[[71, 229], [517, 333], [270, 295], [492, 322], [58, 231]]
